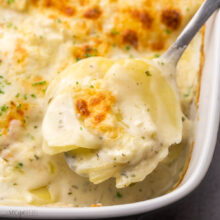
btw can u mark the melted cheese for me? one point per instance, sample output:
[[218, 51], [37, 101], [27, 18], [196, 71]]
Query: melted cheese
[[38, 41]]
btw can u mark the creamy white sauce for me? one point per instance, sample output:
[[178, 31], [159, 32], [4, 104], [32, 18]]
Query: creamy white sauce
[[24, 168]]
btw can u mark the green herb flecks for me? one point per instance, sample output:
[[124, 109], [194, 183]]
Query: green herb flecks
[[10, 1], [118, 195], [156, 55], [127, 47], [147, 72], [115, 32], [33, 96], [19, 165], [168, 31], [25, 96], [4, 108], [40, 83]]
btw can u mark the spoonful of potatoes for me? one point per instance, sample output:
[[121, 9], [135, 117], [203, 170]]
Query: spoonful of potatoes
[[117, 118]]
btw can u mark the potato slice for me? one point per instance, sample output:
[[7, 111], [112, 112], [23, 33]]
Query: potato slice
[[141, 119]]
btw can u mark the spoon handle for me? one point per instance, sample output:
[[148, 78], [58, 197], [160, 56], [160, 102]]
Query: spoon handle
[[175, 51]]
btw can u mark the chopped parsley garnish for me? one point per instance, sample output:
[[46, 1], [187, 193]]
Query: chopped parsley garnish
[[17, 95], [33, 96], [40, 83], [92, 87], [4, 108], [78, 59], [59, 21], [118, 194], [147, 72], [156, 55], [9, 25], [20, 164], [2, 92], [89, 55], [77, 82], [81, 128], [10, 1], [127, 47], [168, 31], [115, 32], [25, 97]]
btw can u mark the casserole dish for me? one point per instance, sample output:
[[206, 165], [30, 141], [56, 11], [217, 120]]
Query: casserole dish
[[205, 139]]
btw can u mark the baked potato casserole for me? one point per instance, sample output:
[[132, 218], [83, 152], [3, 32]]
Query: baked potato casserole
[[73, 80]]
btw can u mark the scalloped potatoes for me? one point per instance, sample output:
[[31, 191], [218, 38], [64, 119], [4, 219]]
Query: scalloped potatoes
[[120, 116], [39, 41]]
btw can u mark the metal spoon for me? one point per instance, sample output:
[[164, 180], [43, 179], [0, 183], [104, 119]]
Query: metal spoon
[[173, 54]]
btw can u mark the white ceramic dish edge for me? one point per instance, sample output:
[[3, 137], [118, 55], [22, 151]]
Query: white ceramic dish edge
[[205, 140]]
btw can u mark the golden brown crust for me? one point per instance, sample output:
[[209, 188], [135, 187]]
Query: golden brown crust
[[93, 105], [144, 17], [171, 18], [12, 111], [130, 37], [92, 13], [62, 6], [147, 25], [82, 108]]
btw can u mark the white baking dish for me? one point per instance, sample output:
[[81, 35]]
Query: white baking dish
[[205, 140]]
